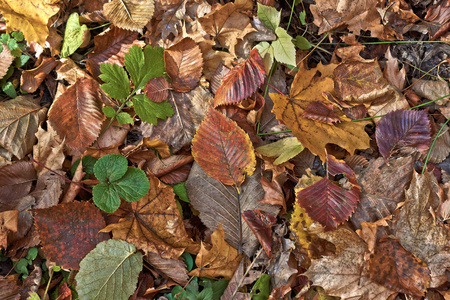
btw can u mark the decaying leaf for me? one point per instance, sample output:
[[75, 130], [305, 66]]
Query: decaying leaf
[[48, 150], [32, 79], [129, 14], [432, 90], [220, 144], [15, 182], [261, 224]]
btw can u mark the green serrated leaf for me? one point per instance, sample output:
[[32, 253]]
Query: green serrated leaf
[[17, 35], [180, 190], [269, 16], [9, 90], [16, 52], [109, 111], [284, 149], [124, 118], [117, 84], [106, 197], [283, 48], [134, 63], [110, 271], [261, 289], [110, 168], [302, 17], [302, 43], [149, 111], [4, 38], [154, 62], [133, 185], [218, 288], [73, 36], [12, 44], [266, 51]]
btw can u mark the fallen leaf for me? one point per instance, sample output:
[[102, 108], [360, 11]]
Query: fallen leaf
[[261, 224], [69, 232], [220, 144], [48, 150], [6, 59], [391, 72], [8, 223], [32, 79], [175, 269], [432, 90], [10, 287], [284, 150], [157, 89], [15, 182], [129, 14], [221, 260]]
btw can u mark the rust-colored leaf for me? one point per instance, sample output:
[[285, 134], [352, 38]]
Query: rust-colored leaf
[[31, 79], [323, 113], [223, 149], [220, 261], [328, 203], [242, 81], [404, 132], [398, 269], [69, 231], [184, 64], [155, 224], [157, 89], [129, 14], [261, 224], [77, 115]]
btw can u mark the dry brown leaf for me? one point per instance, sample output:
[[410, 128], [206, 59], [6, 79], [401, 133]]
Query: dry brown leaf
[[432, 89], [157, 89], [212, 58], [394, 76], [6, 60], [19, 121], [184, 64], [77, 115], [129, 14], [32, 79], [175, 269], [48, 150], [15, 183], [221, 261], [10, 287], [68, 70], [8, 223]]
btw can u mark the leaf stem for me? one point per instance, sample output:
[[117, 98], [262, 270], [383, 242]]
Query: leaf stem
[[240, 218], [384, 42], [290, 17], [50, 275], [432, 145], [103, 25]]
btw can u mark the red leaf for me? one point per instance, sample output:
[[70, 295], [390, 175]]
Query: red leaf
[[328, 203], [69, 232], [157, 89], [403, 131], [261, 224], [323, 113], [242, 81]]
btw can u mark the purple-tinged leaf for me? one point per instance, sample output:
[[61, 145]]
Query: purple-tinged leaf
[[261, 224]]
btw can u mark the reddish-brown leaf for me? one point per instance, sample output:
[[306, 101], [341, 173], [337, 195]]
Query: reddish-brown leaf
[[261, 224], [77, 114], [184, 64], [31, 79], [328, 203], [69, 231], [242, 81], [129, 14], [157, 89], [223, 149], [15, 183], [6, 59], [403, 131], [398, 269], [323, 113]]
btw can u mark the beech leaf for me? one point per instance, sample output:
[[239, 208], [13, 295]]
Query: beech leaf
[[110, 271], [157, 89], [129, 14], [223, 149], [242, 81], [403, 131]]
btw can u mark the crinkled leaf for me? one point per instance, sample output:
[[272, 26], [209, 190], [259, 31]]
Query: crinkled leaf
[[284, 149], [117, 83], [223, 149], [404, 132], [261, 224], [269, 16], [110, 271], [73, 36], [129, 14], [242, 81], [283, 48], [149, 111]]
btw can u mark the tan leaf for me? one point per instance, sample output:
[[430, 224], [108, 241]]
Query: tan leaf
[[48, 150], [8, 223], [175, 269], [31, 79], [6, 60], [76, 114], [184, 64], [129, 14], [221, 260], [69, 71], [432, 89], [394, 76], [19, 121]]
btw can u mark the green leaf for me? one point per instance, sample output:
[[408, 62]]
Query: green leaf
[[144, 66], [284, 150], [302, 17], [218, 288], [1, 48], [110, 168], [21, 267], [180, 190], [18, 35], [4, 38], [88, 166], [188, 260], [106, 197], [134, 62], [302, 43], [110, 271], [73, 36], [261, 288], [124, 118], [12, 44], [109, 111], [32, 254], [283, 48], [33, 296], [16, 52], [9, 90], [133, 185], [206, 294], [149, 111], [117, 84], [266, 51], [154, 62], [269, 16], [22, 60]]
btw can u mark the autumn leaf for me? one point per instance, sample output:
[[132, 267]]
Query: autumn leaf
[[157, 89], [220, 261], [283, 150], [129, 14], [261, 224], [6, 59], [32, 79], [69, 231], [15, 182], [307, 87]]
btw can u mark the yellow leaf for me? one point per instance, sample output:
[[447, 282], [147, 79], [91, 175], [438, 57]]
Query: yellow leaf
[[31, 17], [300, 222]]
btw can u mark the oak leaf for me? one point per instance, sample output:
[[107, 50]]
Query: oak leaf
[[129, 14], [220, 144], [221, 260], [307, 87]]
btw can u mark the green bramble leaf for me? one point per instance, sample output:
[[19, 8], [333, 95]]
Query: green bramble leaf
[[283, 48], [149, 111], [110, 271], [73, 37], [109, 111], [144, 66], [117, 180], [269, 16], [117, 83], [124, 118]]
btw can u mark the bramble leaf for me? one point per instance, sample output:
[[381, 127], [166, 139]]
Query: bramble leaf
[[144, 66], [283, 48], [117, 83], [149, 111]]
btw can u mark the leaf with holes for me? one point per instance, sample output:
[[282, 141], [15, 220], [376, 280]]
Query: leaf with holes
[[403, 132], [111, 269], [129, 14], [184, 64], [69, 231], [328, 203], [223, 149], [242, 81]]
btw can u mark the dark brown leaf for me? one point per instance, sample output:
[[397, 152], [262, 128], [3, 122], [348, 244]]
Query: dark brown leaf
[[31, 79], [261, 224], [15, 182]]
